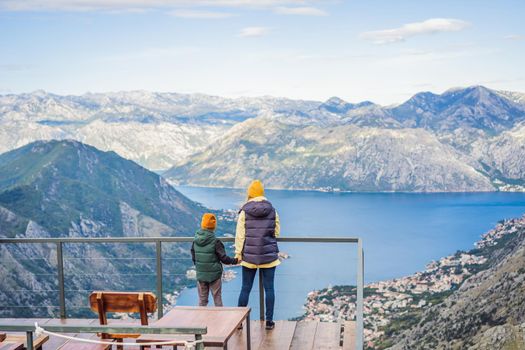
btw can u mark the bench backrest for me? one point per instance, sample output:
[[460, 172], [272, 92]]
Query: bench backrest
[[136, 302]]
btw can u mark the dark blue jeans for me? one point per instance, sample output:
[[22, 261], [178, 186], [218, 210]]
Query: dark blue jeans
[[268, 275]]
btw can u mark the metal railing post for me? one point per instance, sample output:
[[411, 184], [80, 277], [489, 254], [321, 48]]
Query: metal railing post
[[261, 296], [359, 303], [60, 271], [29, 340], [198, 339], [159, 279]]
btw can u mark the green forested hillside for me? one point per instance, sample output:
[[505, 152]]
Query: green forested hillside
[[68, 189]]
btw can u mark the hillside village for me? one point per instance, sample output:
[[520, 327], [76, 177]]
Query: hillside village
[[391, 304]]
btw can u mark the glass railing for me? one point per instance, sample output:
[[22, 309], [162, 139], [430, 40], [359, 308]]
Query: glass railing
[[66, 270]]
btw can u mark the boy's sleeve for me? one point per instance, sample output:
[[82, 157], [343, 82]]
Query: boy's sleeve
[[193, 253], [221, 254], [277, 225], [240, 235]]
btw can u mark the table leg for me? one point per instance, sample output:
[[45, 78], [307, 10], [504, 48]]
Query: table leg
[[248, 335]]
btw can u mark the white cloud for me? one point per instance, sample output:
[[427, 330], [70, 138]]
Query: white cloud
[[301, 11], [132, 5], [252, 32], [201, 14], [515, 37], [430, 26]]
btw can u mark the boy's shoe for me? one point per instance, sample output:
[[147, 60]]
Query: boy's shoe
[[270, 325]]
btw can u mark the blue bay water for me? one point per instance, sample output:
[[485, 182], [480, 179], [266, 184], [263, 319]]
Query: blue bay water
[[401, 233]]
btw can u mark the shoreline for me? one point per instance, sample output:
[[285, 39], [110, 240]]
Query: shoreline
[[407, 295], [522, 190]]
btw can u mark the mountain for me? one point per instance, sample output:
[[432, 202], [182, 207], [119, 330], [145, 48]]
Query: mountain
[[468, 300], [339, 106], [340, 157], [474, 107], [487, 311], [465, 139], [69, 189], [518, 97], [154, 129], [62, 185], [462, 140]]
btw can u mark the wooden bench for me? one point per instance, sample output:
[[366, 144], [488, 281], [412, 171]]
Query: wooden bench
[[103, 302]]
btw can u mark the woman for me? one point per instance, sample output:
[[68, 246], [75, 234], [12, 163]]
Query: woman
[[256, 245]]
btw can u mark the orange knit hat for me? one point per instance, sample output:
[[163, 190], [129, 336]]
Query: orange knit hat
[[256, 189], [209, 222]]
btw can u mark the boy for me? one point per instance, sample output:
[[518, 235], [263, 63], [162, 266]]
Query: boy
[[208, 253]]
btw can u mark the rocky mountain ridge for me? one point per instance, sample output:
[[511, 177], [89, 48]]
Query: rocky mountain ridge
[[487, 311], [468, 300], [154, 129], [462, 140], [466, 139]]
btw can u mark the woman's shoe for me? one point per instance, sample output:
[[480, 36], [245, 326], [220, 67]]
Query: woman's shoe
[[239, 327], [270, 325]]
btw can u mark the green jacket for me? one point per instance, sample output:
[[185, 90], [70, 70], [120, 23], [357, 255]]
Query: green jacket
[[207, 263]]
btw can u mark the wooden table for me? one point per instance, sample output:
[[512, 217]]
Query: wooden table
[[222, 323]]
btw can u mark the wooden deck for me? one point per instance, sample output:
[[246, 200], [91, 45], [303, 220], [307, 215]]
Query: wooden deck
[[303, 335]]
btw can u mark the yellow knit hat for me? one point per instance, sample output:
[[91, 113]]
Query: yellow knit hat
[[255, 189], [209, 222]]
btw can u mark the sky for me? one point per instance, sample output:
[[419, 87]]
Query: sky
[[378, 50]]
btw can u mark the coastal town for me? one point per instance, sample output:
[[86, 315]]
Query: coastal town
[[386, 302]]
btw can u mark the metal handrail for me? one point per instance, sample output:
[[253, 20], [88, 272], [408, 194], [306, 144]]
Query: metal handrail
[[304, 239], [106, 329], [59, 241]]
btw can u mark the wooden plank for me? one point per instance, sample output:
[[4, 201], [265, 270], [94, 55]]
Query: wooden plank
[[73, 345], [55, 342], [221, 323], [123, 301], [11, 346], [328, 336], [22, 338], [176, 339], [165, 347], [69, 322], [349, 335], [23, 321], [280, 337], [238, 339], [304, 335]]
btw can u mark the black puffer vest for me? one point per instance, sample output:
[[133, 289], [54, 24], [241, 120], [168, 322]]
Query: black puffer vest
[[260, 245]]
